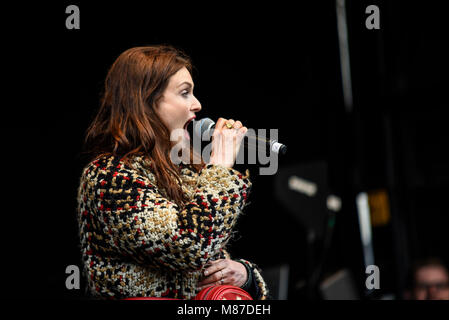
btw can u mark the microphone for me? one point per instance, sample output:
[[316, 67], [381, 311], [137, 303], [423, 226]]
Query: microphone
[[206, 126]]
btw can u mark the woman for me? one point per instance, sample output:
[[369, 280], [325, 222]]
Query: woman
[[149, 227]]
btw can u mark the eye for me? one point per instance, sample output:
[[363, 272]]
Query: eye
[[185, 93]]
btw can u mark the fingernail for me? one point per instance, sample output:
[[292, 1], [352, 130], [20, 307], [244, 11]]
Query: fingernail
[[206, 273]]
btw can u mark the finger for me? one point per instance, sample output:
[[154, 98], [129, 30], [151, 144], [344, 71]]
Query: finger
[[243, 130], [214, 278], [213, 273], [221, 122], [238, 125], [230, 122], [215, 266], [220, 127]]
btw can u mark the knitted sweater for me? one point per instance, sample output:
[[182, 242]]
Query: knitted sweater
[[135, 242]]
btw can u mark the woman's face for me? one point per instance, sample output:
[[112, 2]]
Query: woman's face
[[178, 104]]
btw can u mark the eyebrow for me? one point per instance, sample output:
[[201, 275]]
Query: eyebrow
[[187, 83]]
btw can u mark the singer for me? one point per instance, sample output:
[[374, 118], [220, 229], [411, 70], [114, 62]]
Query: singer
[[149, 227]]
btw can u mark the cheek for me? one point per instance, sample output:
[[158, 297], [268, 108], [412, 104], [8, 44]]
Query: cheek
[[166, 114], [173, 116], [163, 113], [174, 112], [181, 108]]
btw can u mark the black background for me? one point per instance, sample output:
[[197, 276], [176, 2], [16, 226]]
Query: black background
[[270, 66]]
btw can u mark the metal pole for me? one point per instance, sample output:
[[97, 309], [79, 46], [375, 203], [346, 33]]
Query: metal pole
[[345, 64]]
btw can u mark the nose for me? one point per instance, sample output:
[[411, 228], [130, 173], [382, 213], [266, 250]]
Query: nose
[[432, 292], [196, 106]]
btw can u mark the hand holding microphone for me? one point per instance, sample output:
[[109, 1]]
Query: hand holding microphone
[[227, 138]]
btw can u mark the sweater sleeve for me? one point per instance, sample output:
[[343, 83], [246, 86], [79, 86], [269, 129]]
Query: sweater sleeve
[[255, 285], [128, 215]]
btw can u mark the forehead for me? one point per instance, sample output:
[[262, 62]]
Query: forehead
[[432, 273], [183, 75]]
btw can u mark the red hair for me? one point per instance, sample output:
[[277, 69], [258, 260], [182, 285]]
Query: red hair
[[127, 123]]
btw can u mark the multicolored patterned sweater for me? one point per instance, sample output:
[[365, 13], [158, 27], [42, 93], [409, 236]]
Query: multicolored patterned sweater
[[137, 243]]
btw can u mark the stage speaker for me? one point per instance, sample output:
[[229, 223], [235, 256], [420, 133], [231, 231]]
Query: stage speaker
[[303, 190]]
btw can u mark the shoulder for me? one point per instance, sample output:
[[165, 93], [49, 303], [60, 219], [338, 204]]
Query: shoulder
[[101, 163], [111, 178], [110, 166]]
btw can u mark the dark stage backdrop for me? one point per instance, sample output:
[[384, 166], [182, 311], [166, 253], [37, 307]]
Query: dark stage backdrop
[[268, 66]]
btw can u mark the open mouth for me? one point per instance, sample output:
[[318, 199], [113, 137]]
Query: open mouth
[[187, 123], [188, 128]]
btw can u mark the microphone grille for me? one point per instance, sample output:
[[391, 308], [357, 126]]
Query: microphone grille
[[203, 125]]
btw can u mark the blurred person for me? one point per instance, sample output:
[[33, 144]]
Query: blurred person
[[429, 281], [149, 227]]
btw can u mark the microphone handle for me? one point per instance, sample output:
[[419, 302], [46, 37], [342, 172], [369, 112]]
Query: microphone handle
[[251, 142]]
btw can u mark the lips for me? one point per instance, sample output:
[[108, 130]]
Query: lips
[[188, 121]]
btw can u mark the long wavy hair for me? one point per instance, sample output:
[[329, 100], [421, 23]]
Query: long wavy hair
[[127, 123]]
